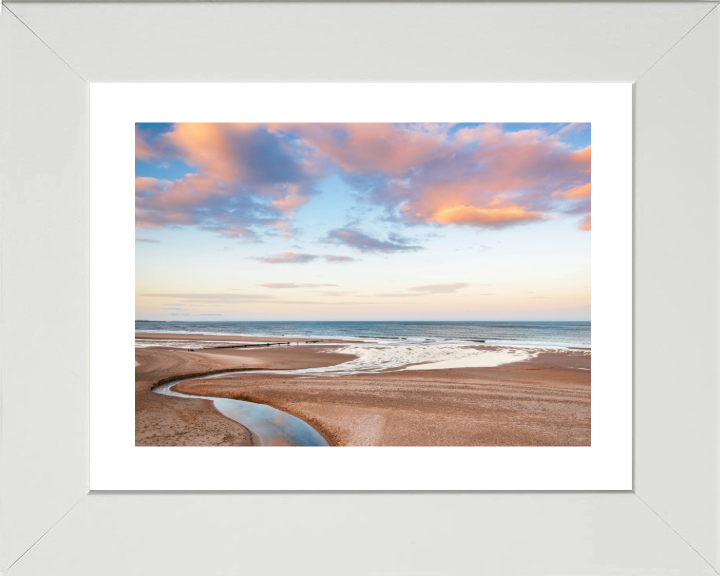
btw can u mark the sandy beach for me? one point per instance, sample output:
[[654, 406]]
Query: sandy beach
[[543, 401]]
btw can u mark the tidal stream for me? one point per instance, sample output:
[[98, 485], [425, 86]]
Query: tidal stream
[[269, 426]]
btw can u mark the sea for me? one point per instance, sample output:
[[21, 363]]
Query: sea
[[565, 334]]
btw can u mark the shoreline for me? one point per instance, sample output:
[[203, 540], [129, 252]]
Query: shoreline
[[225, 337], [191, 337]]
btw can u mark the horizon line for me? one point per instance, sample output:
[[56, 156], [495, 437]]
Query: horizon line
[[457, 321]]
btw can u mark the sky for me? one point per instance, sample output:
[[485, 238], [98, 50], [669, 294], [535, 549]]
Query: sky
[[362, 222]]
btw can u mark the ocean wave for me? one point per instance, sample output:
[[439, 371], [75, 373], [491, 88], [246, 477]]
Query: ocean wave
[[377, 358]]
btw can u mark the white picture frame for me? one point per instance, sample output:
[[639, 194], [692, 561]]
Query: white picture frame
[[50, 523]]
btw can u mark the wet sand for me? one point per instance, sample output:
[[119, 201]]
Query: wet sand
[[167, 421], [544, 401]]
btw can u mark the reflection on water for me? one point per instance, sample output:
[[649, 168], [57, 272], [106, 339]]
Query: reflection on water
[[270, 425], [275, 428]]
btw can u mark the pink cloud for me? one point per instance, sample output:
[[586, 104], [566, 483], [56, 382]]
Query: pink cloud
[[244, 177], [250, 177], [142, 149], [508, 179], [368, 147], [483, 176], [146, 183]]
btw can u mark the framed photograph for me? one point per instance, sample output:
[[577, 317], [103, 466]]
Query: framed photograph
[[361, 283], [304, 228]]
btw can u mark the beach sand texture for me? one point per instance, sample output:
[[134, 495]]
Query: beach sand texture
[[543, 401]]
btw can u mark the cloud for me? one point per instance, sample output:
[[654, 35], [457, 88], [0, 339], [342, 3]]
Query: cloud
[[288, 258], [485, 217], [231, 299], [148, 184], [147, 240], [440, 288], [214, 297], [573, 128], [335, 259], [245, 180], [515, 188], [361, 241], [585, 224], [281, 285], [143, 150], [345, 293], [574, 193], [400, 239], [426, 290], [482, 176], [188, 314], [299, 258], [369, 147], [241, 179]]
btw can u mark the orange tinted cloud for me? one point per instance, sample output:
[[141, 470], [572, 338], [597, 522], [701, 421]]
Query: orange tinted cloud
[[582, 157], [243, 177], [368, 147], [484, 217], [488, 177], [585, 224], [207, 146], [575, 193], [146, 183], [250, 176]]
